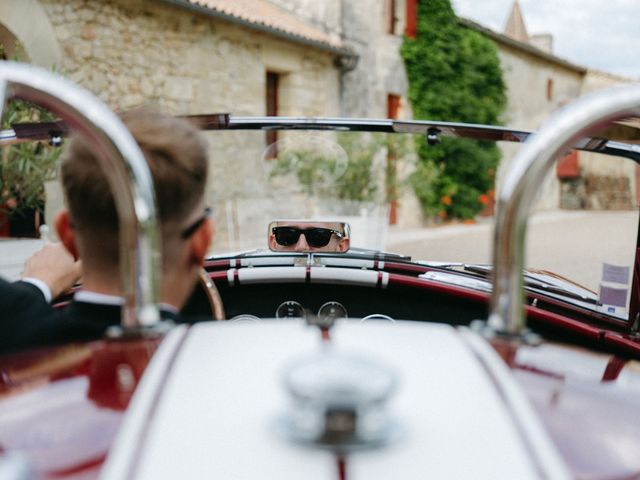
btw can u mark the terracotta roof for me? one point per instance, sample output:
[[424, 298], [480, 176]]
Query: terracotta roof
[[265, 16]]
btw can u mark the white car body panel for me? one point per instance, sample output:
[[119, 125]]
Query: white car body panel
[[217, 412]]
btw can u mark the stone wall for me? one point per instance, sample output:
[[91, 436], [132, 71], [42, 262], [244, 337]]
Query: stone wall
[[325, 15], [140, 51], [610, 181], [143, 52], [362, 27], [526, 77], [379, 72]]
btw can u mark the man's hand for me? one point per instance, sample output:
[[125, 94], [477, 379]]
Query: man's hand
[[55, 266]]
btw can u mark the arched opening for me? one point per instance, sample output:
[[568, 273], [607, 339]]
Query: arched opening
[[10, 47]]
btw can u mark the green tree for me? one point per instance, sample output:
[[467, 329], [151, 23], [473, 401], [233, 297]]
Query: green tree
[[454, 75]]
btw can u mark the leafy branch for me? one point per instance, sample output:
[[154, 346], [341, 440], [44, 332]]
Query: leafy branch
[[454, 75]]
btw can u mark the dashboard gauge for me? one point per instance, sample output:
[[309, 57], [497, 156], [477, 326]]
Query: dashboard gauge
[[290, 309], [332, 310], [378, 316], [245, 317]]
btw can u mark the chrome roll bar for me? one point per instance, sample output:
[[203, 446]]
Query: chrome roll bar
[[126, 170], [521, 184]]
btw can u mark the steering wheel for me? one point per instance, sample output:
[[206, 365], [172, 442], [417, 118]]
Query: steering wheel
[[210, 290]]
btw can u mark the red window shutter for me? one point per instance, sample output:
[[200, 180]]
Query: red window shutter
[[393, 106], [569, 166], [393, 109], [411, 21]]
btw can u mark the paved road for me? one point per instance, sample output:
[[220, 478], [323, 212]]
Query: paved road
[[573, 244]]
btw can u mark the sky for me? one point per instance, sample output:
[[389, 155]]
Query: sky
[[599, 34]]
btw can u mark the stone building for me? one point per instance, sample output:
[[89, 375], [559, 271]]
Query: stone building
[[538, 83], [285, 57], [247, 57]]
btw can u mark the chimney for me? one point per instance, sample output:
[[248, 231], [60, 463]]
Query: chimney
[[543, 41]]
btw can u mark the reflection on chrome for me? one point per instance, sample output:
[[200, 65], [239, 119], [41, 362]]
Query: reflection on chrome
[[378, 316], [245, 318]]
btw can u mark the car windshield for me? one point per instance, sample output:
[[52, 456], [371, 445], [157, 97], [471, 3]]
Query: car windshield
[[355, 179], [369, 181]]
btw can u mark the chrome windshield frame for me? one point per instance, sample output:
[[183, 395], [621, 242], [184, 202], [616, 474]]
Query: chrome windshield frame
[[521, 184], [224, 121]]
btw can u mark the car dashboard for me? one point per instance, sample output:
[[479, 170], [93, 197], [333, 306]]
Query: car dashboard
[[281, 300]]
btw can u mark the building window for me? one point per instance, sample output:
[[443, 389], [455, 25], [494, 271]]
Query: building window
[[411, 19], [390, 13], [272, 106], [550, 89]]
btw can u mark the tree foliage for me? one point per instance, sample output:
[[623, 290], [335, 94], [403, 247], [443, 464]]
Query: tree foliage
[[455, 76], [347, 168], [24, 167]]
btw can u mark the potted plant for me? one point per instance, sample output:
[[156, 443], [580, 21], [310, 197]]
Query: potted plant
[[24, 169]]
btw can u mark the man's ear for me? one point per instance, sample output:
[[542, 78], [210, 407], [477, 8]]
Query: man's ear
[[201, 240], [343, 246], [273, 245], [65, 232]]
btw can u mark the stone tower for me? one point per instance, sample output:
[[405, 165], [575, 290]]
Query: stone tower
[[515, 27]]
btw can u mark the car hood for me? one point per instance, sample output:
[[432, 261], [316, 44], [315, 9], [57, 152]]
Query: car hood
[[214, 396]]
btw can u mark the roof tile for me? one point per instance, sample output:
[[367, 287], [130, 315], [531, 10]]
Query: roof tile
[[264, 13]]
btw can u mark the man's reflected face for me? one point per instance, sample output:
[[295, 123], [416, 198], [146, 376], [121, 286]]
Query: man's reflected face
[[308, 237]]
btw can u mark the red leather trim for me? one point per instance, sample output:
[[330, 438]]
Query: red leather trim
[[613, 369]]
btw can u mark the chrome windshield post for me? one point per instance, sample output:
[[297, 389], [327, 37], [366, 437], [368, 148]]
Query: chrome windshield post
[[126, 170], [521, 185]]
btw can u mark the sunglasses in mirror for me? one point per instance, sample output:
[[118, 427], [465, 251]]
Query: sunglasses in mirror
[[316, 237]]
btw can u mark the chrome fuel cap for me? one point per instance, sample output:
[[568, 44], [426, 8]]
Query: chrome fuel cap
[[339, 401]]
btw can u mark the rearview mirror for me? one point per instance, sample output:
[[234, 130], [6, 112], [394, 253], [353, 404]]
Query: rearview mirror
[[308, 236]]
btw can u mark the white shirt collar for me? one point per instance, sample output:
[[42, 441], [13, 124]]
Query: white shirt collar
[[87, 296]]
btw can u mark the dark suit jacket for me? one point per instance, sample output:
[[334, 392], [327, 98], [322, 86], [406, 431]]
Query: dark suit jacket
[[22, 308], [27, 320]]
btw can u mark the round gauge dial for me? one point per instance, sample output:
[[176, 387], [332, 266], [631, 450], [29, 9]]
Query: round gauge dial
[[332, 310], [290, 309]]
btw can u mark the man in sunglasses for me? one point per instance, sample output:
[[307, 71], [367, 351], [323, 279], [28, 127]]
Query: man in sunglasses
[[177, 158], [300, 236]]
